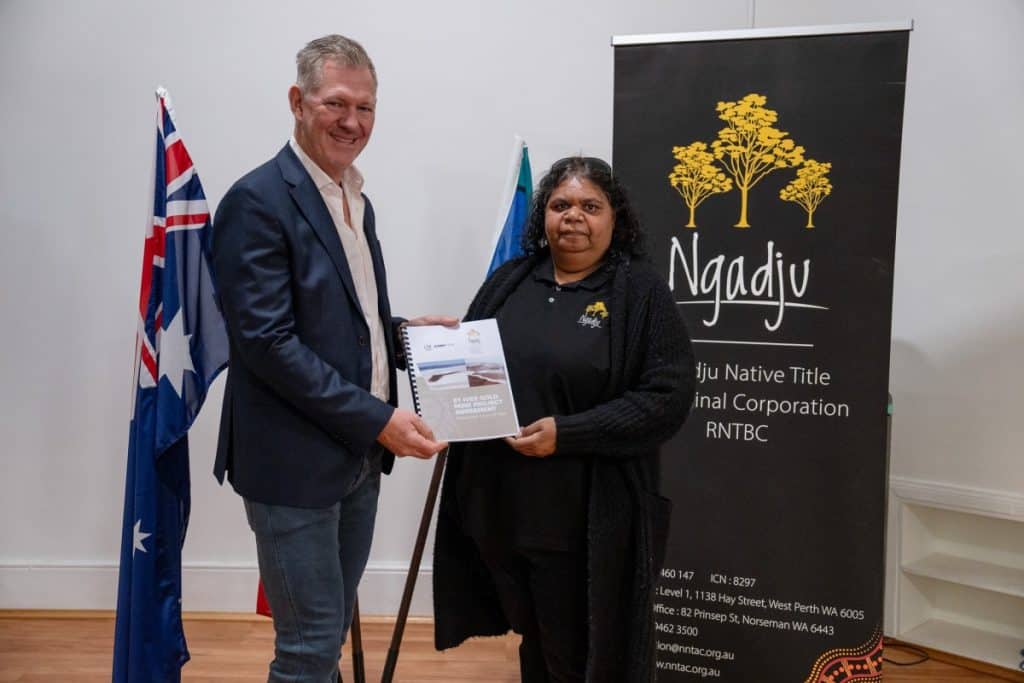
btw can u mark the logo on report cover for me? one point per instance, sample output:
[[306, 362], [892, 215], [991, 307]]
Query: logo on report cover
[[474, 341]]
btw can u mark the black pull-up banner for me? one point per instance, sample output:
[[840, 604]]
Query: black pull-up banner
[[765, 169]]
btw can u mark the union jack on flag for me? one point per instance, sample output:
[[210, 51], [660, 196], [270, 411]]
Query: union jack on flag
[[181, 346]]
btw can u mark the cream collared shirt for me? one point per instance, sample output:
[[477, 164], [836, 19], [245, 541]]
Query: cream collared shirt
[[357, 253]]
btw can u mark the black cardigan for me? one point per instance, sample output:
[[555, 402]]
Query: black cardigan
[[649, 394]]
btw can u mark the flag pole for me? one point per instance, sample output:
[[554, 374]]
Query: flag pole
[[414, 568], [358, 668]]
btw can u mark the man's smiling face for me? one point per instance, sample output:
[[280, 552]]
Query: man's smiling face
[[333, 122]]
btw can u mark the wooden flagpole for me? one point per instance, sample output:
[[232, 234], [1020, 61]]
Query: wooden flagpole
[[414, 568]]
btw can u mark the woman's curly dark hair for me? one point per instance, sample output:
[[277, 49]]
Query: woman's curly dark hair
[[627, 237]]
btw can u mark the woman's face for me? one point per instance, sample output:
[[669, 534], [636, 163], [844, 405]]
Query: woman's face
[[579, 221]]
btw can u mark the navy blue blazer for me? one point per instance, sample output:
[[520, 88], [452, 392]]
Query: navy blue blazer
[[298, 417]]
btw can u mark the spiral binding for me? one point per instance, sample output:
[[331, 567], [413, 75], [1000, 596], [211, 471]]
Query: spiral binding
[[410, 368]]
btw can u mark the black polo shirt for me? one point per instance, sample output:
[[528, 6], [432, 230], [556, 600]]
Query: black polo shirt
[[556, 344]]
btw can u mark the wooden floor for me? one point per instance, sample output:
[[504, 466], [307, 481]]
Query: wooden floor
[[77, 648]]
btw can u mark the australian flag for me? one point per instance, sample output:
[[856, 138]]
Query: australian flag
[[181, 345]]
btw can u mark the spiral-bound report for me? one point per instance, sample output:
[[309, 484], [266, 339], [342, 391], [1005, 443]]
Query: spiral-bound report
[[459, 380]]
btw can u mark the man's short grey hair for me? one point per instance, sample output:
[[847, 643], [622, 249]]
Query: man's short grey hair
[[333, 48]]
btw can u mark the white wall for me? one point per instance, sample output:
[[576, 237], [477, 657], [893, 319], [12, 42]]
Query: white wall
[[458, 79]]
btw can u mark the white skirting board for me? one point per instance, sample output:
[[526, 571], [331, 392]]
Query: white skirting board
[[206, 588]]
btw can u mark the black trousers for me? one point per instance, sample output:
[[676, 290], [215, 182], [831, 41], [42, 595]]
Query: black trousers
[[544, 596]]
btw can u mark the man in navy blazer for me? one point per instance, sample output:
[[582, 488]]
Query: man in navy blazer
[[310, 416]]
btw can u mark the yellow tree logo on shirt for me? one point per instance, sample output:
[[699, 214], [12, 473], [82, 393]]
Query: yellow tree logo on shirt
[[597, 309]]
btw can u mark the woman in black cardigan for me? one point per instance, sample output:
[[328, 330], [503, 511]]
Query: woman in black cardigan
[[559, 533]]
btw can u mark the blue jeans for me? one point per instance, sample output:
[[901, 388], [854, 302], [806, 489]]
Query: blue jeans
[[311, 562]]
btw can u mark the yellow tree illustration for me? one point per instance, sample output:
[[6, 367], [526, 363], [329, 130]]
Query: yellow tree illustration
[[696, 177], [750, 147], [809, 188]]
